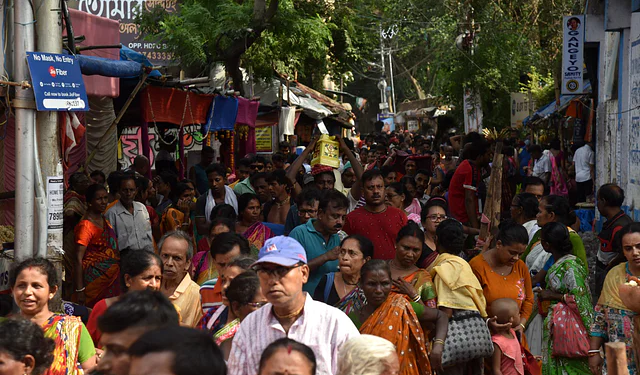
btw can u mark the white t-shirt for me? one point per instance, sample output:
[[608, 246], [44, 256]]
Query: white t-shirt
[[542, 165], [583, 159]]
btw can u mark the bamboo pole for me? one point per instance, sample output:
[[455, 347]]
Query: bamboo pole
[[492, 202], [616, 355]]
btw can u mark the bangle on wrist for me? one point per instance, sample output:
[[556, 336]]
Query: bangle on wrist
[[522, 325], [438, 341], [416, 298], [81, 289], [594, 351]]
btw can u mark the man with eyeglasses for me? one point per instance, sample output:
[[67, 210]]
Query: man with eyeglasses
[[306, 208], [282, 269], [320, 237], [130, 219]]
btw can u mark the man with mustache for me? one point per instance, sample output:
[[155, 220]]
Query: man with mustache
[[376, 221], [320, 238]]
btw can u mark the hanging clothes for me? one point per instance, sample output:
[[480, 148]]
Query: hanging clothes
[[287, 121]]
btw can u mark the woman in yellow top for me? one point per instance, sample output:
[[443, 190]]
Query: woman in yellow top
[[178, 215], [459, 291], [34, 282], [407, 278]]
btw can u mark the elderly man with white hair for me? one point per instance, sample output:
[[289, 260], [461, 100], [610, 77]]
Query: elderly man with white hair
[[368, 355]]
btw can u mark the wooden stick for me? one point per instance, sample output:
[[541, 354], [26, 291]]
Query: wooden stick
[[616, 355], [493, 194]]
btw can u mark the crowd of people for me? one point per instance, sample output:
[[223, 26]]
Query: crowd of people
[[375, 267]]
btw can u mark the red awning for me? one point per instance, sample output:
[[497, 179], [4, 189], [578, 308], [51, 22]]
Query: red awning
[[168, 105]]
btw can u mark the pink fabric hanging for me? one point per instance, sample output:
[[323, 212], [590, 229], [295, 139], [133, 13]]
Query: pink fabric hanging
[[247, 112]]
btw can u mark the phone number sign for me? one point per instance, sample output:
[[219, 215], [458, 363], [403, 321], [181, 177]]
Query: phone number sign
[[57, 82]]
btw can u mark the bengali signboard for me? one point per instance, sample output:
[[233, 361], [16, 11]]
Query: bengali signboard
[[264, 141], [572, 54], [520, 108], [125, 12]]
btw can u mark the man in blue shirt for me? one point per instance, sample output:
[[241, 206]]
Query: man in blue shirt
[[320, 238]]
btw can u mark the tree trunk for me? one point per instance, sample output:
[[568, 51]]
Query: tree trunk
[[233, 69]]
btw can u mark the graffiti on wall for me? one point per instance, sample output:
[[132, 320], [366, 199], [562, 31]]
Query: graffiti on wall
[[130, 144]]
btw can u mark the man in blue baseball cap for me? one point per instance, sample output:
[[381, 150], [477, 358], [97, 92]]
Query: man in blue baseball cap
[[282, 269]]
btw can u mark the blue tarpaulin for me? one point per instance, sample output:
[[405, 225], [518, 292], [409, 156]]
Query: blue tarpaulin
[[551, 108], [93, 65]]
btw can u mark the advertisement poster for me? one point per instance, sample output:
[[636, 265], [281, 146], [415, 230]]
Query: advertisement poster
[[520, 108], [264, 139], [572, 55], [57, 82]]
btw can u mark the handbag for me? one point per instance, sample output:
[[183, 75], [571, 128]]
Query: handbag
[[569, 338], [531, 364], [468, 338]]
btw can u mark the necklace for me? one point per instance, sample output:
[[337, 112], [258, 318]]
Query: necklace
[[289, 316], [280, 204], [345, 281]]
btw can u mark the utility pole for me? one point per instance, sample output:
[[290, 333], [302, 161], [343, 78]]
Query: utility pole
[[382, 84], [49, 31], [25, 116], [393, 89]]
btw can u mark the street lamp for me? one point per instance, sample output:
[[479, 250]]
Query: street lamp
[[382, 86]]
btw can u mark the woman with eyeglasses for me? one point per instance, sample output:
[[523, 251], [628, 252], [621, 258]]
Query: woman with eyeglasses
[[221, 320], [435, 212], [396, 196], [407, 278], [341, 289], [244, 296]]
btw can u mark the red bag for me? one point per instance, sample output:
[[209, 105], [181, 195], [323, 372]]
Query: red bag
[[568, 334], [531, 364]]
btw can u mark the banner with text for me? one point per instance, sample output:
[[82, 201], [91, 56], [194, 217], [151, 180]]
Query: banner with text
[[520, 108], [572, 55]]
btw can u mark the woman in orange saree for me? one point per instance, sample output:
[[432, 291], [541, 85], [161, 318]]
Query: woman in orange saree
[[392, 317], [249, 225]]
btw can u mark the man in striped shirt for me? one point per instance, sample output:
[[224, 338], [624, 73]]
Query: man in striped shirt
[[282, 269]]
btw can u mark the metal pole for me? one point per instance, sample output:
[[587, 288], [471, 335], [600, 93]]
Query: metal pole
[[393, 89], [25, 117], [383, 94]]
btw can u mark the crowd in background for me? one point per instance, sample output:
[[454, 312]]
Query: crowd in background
[[374, 267]]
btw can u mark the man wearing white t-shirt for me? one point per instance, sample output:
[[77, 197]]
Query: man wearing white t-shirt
[[541, 163], [583, 162]]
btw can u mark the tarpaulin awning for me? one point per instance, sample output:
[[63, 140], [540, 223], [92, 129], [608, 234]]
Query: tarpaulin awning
[[551, 108], [161, 104], [316, 105]]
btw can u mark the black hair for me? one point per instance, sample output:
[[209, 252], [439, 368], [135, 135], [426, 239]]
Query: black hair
[[260, 159], [92, 190], [476, 148], [279, 176], [557, 236], [424, 172], [289, 345], [398, 187], [113, 181], [225, 242], [260, 175], [472, 137], [243, 261], [370, 175], [133, 263], [408, 180], [180, 189], [433, 202], [532, 181], [217, 168], [509, 151], [561, 208], [365, 244], [450, 237], [535, 148], [309, 195], [334, 198], [126, 176], [244, 162], [243, 288], [224, 211], [410, 230], [529, 204], [170, 179], [206, 149], [555, 144], [278, 157], [98, 173], [244, 200], [633, 227], [223, 221], [45, 266], [386, 169], [510, 232], [140, 308], [375, 265], [75, 178], [142, 183], [21, 337], [611, 194], [194, 352]]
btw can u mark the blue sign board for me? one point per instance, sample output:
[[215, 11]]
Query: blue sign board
[[57, 82]]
